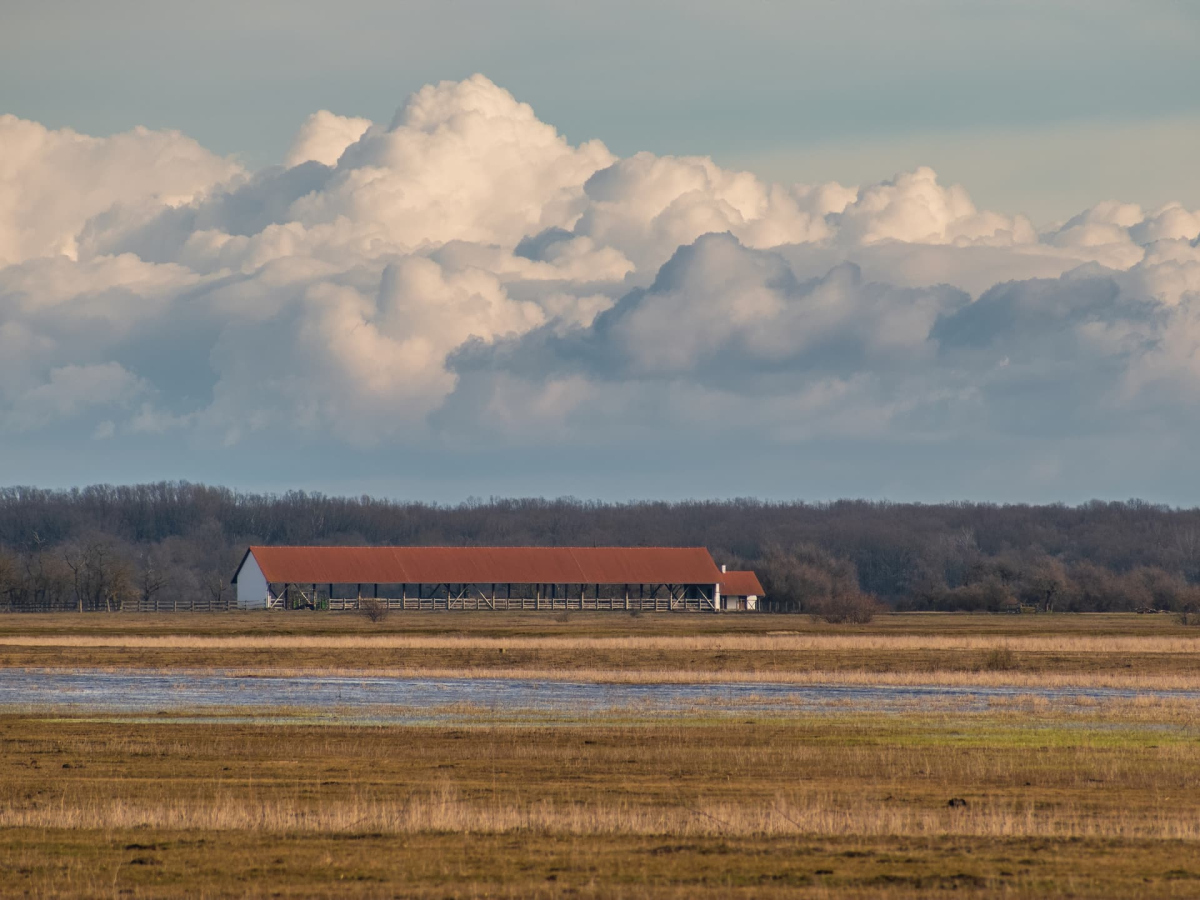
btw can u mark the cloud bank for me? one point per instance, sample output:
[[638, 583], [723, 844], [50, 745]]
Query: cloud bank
[[465, 275]]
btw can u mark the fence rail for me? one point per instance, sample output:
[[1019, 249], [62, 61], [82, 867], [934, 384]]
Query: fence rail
[[192, 604]]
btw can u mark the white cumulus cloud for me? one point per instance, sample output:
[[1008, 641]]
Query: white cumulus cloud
[[465, 270], [52, 182], [323, 138]]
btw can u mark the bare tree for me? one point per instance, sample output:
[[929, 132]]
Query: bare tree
[[9, 577], [1186, 544], [74, 559], [45, 580], [808, 579], [1047, 584], [151, 578], [216, 583], [101, 578]]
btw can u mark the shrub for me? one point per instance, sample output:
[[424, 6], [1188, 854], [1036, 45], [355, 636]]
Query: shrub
[[851, 608], [1000, 659], [373, 608]]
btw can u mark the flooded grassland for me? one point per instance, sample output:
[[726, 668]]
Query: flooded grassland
[[1145, 652], [1007, 777]]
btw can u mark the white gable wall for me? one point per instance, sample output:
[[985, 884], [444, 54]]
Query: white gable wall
[[251, 585]]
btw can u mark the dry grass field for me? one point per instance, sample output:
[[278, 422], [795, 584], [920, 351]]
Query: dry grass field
[[1149, 651], [852, 806], [1023, 798]]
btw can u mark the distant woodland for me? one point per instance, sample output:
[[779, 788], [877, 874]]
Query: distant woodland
[[175, 545]]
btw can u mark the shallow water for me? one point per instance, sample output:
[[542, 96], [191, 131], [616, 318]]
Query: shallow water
[[82, 691]]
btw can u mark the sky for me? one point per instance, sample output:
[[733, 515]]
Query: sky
[[922, 250]]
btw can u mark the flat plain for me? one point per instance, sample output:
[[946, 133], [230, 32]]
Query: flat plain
[[1111, 649], [1021, 798]]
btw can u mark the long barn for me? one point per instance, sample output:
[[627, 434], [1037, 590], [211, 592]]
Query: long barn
[[496, 578]]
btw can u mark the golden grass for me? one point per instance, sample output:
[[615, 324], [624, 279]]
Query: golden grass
[[837, 806], [587, 624], [852, 776], [1118, 651], [445, 811], [769, 643]]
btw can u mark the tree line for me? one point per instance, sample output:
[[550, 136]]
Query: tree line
[[174, 545]]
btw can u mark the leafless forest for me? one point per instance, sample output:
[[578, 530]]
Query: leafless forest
[[175, 545]]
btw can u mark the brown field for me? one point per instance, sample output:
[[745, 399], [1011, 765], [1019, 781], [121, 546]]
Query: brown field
[[853, 806], [591, 624], [1099, 799], [1149, 651]]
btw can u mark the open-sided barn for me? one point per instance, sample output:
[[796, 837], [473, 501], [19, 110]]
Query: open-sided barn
[[499, 578]]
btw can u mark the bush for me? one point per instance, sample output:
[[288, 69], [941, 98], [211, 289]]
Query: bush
[[1000, 660], [373, 608], [851, 608]]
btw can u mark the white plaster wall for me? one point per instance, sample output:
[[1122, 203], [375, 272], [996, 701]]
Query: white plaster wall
[[251, 585], [739, 603]]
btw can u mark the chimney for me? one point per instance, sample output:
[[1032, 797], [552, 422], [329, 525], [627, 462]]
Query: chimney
[[724, 568]]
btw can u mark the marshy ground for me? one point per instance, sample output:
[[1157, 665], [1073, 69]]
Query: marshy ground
[[1027, 797], [1112, 649]]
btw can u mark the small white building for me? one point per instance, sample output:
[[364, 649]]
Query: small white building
[[740, 590]]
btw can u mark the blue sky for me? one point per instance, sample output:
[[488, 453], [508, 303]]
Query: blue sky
[[918, 250], [999, 93]]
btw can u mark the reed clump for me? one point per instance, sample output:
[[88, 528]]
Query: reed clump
[[447, 812]]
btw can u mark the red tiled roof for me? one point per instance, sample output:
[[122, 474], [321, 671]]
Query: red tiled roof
[[740, 584], [484, 565]]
